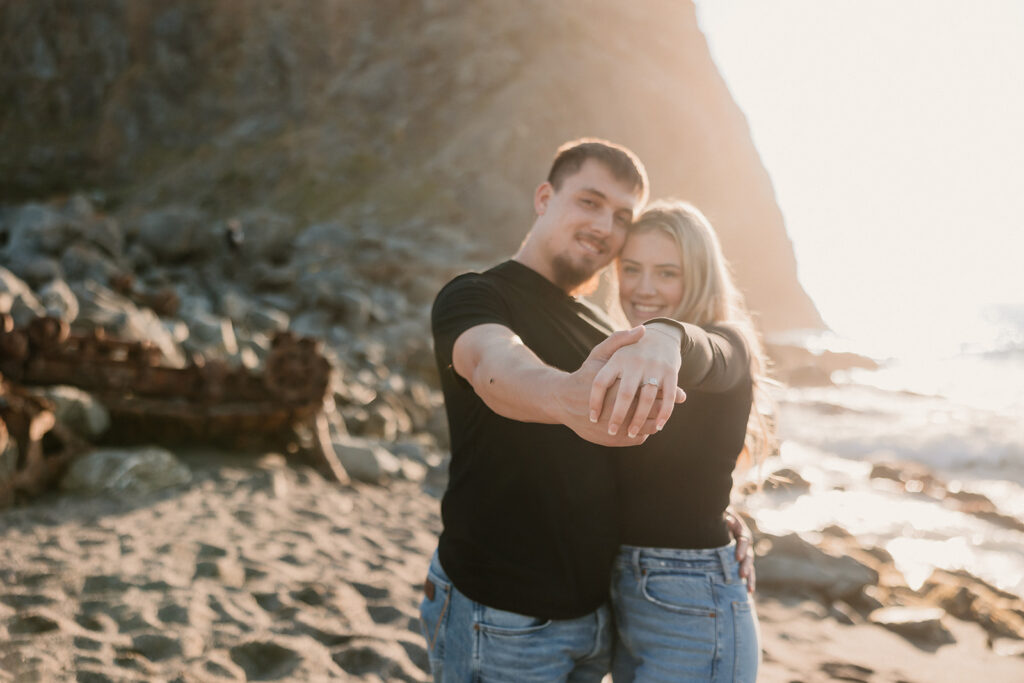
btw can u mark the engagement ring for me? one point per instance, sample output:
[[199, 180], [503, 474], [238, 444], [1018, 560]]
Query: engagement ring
[[653, 381]]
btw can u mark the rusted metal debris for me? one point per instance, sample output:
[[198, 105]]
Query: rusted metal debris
[[27, 419], [206, 401]]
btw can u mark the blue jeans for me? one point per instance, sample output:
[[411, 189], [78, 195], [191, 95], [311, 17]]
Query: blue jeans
[[683, 615], [468, 641]]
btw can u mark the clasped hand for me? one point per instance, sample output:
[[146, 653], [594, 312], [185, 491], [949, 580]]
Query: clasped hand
[[643, 370], [608, 389]]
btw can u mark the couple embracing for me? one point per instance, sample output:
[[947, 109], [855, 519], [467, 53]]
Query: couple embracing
[[585, 520]]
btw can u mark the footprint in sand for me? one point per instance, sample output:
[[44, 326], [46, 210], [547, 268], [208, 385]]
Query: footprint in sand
[[265, 660], [845, 671], [32, 624]]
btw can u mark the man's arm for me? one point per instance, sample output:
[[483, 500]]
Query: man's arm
[[516, 384]]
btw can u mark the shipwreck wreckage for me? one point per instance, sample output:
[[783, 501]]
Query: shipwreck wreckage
[[205, 401]]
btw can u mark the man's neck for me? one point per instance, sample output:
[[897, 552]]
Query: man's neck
[[525, 257]]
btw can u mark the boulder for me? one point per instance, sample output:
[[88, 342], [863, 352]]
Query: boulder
[[121, 318], [83, 261], [21, 303], [213, 333], [266, 235], [35, 228], [267, 276], [235, 305], [104, 233], [418, 448], [322, 239], [175, 233], [971, 599], [366, 460], [78, 410], [791, 563], [59, 301], [35, 269], [267, 319], [332, 287], [787, 480], [131, 472], [385, 422], [312, 324], [921, 624]]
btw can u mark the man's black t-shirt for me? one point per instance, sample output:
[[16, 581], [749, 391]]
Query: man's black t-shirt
[[530, 511]]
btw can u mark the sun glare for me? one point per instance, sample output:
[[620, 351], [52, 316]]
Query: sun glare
[[892, 135]]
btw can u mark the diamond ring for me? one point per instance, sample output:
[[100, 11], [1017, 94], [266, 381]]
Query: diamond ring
[[653, 381]]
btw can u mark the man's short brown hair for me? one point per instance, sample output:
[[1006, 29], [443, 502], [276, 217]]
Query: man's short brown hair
[[623, 163]]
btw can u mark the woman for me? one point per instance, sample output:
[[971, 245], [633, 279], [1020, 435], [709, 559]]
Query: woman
[[682, 611]]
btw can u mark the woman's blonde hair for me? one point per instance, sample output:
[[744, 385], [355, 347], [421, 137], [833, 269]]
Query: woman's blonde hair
[[710, 297]]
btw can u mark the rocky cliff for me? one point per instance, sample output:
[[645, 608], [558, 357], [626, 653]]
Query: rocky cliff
[[404, 117]]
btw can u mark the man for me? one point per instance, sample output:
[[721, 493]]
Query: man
[[518, 587]]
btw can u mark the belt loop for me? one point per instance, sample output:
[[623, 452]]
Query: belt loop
[[724, 560], [636, 563]]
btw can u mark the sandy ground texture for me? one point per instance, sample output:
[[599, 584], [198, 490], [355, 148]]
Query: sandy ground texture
[[258, 570]]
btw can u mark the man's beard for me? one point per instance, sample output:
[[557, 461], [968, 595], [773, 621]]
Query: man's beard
[[570, 276]]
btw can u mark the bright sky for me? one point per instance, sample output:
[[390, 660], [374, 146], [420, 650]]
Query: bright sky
[[893, 131]]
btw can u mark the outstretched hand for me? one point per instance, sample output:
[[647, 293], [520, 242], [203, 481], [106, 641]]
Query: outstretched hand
[[575, 398], [646, 370]]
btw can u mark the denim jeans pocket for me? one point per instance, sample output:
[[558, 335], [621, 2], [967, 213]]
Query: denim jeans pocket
[[684, 593], [433, 612], [504, 623], [746, 641]]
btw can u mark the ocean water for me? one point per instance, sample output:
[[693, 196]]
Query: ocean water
[[961, 415]]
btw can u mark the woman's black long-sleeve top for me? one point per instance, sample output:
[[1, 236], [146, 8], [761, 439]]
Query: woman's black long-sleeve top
[[674, 488]]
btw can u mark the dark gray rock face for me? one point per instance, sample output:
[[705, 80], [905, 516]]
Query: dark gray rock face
[[391, 114]]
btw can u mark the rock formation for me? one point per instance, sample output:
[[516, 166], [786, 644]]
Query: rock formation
[[409, 118]]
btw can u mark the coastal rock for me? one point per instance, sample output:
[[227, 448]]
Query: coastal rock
[[266, 276], [313, 323], [914, 477], [35, 228], [120, 317], [78, 410], [797, 366], [787, 480], [791, 563], [21, 303], [175, 233], [213, 334], [125, 471], [266, 319], [234, 305], [266, 235], [82, 261], [365, 460], [922, 624], [970, 599], [103, 232], [34, 269], [59, 301], [322, 240], [385, 422]]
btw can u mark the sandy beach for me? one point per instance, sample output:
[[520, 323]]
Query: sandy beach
[[259, 569]]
